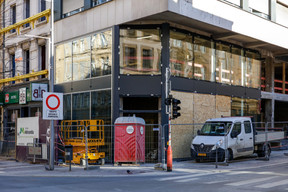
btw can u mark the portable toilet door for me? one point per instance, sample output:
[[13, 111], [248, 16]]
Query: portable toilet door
[[129, 140]]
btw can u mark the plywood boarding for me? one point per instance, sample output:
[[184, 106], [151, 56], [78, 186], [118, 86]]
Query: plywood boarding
[[182, 134], [223, 106], [195, 110], [204, 107]]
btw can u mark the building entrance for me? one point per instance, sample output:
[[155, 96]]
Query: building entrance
[[146, 108]]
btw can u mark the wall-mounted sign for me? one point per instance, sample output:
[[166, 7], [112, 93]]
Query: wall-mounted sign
[[22, 95], [27, 130], [12, 97], [37, 90]]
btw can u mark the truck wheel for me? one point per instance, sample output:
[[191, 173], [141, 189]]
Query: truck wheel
[[230, 155]]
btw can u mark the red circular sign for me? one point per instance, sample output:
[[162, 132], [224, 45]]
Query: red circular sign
[[53, 108]]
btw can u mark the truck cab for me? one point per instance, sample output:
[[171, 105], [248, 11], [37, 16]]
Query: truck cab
[[236, 134]]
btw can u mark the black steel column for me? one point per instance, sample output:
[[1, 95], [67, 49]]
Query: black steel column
[[165, 60], [115, 81]]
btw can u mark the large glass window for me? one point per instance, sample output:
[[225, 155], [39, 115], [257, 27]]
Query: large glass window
[[203, 59], [181, 54], [223, 63], [81, 59], [63, 63], [252, 70], [237, 65], [91, 56], [101, 105], [81, 106], [140, 51], [245, 107], [101, 53]]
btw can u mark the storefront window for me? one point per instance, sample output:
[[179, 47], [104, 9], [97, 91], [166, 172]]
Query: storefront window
[[101, 105], [181, 54], [81, 106], [203, 62], [245, 107], [81, 59], [67, 107], [63, 72], [252, 70], [101, 53], [140, 51], [223, 63], [237, 64]]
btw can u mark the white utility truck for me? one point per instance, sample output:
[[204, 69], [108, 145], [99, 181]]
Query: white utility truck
[[235, 135]]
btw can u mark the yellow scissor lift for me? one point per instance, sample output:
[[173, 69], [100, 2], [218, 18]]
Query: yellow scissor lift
[[73, 133]]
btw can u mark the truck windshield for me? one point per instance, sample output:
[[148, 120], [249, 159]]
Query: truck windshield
[[215, 128]]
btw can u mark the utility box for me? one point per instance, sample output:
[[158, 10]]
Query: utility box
[[129, 140], [68, 152]]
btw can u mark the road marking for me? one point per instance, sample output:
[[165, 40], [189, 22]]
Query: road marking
[[274, 184], [246, 182], [184, 176], [186, 180], [215, 182], [240, 172]]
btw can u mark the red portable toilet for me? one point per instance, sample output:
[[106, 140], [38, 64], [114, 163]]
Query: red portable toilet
[[129, 140]]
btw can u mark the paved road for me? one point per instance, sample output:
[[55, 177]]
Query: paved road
[[241, 175]]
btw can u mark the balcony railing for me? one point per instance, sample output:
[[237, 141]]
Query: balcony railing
[[30, 20], [21, 77]]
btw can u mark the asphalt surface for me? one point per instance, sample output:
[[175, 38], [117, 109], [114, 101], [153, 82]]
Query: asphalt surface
[[13, 168], [245, 174]]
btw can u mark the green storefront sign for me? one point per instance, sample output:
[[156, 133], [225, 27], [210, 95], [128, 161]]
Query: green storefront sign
[[12, 97]]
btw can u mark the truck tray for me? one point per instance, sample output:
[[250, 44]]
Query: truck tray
[[271, 136]]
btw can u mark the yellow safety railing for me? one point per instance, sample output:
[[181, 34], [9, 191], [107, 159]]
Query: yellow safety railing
[[31, 20], [20, 77]]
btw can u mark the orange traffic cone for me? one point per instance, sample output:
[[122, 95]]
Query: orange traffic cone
[[169, 158]]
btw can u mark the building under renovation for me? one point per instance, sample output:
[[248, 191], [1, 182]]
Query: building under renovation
[[224, 57]]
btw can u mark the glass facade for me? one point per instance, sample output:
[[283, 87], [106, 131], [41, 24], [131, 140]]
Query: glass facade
[[245, 107], [181, 54], [203, 59], [212, 61], [223, 60], [88, 105], [81, 106], [140, 51], [81, 58], [84, 58]]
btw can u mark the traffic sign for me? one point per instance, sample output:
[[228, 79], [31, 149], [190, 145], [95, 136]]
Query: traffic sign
[[52, 106]]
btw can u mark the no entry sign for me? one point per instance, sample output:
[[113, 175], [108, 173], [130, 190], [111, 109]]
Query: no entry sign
[[53, 106]]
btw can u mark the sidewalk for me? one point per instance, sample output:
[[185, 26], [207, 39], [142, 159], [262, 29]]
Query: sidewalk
[[13, 168]]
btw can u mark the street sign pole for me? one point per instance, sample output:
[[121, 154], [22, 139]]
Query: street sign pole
[[51, 160]]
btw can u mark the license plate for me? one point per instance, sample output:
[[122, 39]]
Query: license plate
[[202, 154]]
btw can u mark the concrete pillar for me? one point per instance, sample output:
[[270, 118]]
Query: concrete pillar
[[269, 82], [269, 75]]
